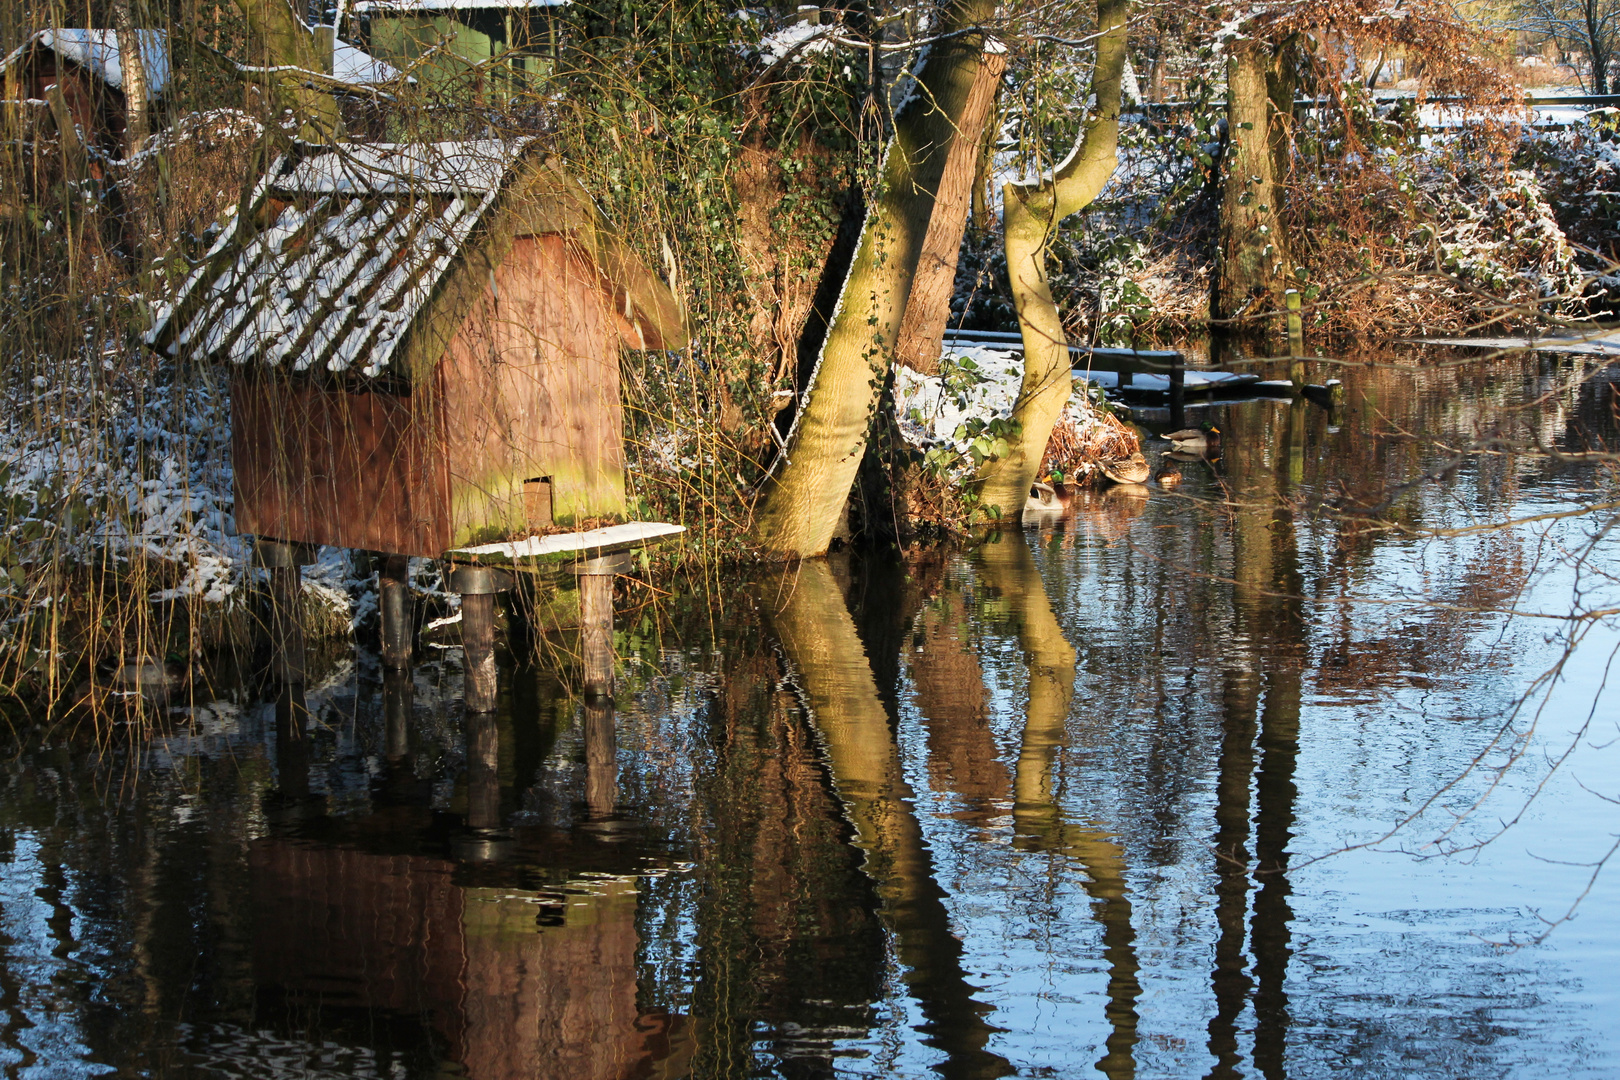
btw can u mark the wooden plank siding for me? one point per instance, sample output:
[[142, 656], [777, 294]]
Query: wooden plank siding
[[347, 468], [530, 386], [518, 983]]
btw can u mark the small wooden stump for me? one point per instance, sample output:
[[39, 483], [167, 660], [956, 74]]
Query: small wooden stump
[[394, 610], [596, 619], [285, 562], [478, 586], [601, 759]]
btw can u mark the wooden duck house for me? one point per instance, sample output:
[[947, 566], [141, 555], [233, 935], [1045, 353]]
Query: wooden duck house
[[423, 344]]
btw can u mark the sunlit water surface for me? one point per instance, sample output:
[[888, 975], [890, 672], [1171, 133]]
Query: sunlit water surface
[[1202, 782]]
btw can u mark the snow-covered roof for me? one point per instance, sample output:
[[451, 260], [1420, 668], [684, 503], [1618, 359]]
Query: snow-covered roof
[[352, 65], [383, 7], [476, 165], [338, 255], [348, 258], [97, 51]]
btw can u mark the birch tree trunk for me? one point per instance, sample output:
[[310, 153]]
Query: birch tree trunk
[[132, 79], [1030, 218], [804, 500]]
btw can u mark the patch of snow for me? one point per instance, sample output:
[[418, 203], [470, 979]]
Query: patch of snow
[[97, 51], [353, 65], [799, 38]]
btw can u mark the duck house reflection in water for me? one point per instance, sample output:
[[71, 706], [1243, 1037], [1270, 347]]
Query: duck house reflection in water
[[517, 982]]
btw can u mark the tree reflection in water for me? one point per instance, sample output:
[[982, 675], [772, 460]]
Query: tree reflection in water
[[808, 613], [1039, 804]]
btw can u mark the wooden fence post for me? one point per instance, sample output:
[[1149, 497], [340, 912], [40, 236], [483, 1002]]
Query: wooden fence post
[[1296, 340]]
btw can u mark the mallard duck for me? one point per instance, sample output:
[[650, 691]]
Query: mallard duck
[[1042, 499], [1131, 470], [1194, 439], [1168, 478], [1047, 498]]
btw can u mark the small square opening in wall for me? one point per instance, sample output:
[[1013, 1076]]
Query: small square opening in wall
[[537, 502]]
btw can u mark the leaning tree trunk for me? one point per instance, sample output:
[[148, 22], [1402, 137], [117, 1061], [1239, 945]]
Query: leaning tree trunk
[[804, 501], [1030, 221], [1251, 268], [928, 307]]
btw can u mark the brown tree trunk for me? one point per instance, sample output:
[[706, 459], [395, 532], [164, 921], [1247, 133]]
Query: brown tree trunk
[[928, 308], [1251, 268], [811, 619]]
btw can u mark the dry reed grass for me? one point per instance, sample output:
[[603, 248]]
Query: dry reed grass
[[1079, 441]]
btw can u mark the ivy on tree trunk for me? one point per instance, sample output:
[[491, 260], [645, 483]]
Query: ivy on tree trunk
[[803, 503]]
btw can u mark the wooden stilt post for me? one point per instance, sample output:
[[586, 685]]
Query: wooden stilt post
[[285, 561], [398, 699], [1296, 340], [483, 773], [596, 619], [478, 586], [601, 758], [394, 610], [478, 651], [1178, 393], [292, 747]]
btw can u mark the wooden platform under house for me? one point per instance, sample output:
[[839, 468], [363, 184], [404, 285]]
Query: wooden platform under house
[[423, 344]]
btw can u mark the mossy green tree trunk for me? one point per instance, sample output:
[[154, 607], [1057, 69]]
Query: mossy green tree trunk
[[285, 43], [1252, 266], [803, 502], [1031, 214]]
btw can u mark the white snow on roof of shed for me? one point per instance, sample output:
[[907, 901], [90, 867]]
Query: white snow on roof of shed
[[357, 66], [384, 7], [445, 167], [338, 276], [97, 50]]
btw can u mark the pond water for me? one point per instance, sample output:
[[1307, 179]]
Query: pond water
[[1251, 777]]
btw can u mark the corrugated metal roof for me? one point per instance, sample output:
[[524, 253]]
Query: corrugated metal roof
[[337, 257]]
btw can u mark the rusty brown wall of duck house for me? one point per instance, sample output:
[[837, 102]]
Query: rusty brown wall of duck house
[[358, 929], [519, 983], [530, 386], [345, 467]]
